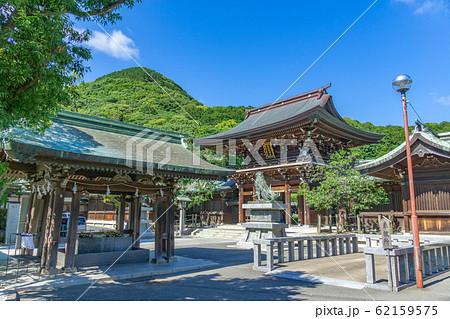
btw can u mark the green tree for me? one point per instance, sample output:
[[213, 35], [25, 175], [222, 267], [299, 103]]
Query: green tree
[[197, 190], [226, 125], [341, 187], [41, 56]]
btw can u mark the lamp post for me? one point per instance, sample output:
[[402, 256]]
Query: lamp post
[[401, 84], [182, 204]]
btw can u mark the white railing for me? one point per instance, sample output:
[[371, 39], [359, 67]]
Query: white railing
[[299, 248], [401, 269]]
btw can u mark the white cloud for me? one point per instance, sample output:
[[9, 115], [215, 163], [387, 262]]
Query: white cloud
[[431, 6], [426, 6], [405, 1], [443, 100], [117, 45]]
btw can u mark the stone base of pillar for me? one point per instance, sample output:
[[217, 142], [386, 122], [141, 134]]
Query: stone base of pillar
[[70, 269], [159, 261], [164, 260], [53, 271]]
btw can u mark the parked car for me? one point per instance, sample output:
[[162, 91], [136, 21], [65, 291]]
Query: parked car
[[65, 224]]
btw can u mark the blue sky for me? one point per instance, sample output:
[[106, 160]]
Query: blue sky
[[250, 52]]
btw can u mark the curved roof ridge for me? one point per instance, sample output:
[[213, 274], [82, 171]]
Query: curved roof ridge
[[290, 100], [96, 122], [431, 138]]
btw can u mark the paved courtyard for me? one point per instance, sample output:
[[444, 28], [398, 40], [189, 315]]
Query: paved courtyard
[[231, 278]]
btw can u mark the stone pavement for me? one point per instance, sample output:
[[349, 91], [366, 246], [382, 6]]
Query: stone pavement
[[342, 270], [232, 278], [3, 294], [87, 275]]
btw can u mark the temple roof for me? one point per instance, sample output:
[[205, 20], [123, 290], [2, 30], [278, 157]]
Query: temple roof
[[424, 143], [311, 108], [88, 142]]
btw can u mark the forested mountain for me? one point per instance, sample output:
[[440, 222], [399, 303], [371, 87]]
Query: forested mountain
[[153, 100], [132, 96]]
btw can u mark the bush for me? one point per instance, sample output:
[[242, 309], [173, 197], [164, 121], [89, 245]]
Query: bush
[[295, 219], [3, 214]]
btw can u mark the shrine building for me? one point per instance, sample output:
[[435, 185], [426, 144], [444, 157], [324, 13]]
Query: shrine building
[[286, 140], [80, 155], [430, 155]]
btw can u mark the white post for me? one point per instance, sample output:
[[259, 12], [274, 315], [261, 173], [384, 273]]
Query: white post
[[182, 212]]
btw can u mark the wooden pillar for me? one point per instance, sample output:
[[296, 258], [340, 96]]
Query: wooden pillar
[[358, 223], [170, 228], [136, 221], [330, 221], [29, 211], [72, 231], [159, 210], [131, 216], [307, 213], [287, 200], [121, 214], [164, 229], [47, 227], [241, 202], [301, 209], [319, 223], [33, 217], [47, 205], [406, 222], [52, 237]]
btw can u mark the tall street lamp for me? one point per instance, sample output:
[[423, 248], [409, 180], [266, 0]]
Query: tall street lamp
[[402, 83]]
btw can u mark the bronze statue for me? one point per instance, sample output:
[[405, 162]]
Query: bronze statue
[[263, 191]]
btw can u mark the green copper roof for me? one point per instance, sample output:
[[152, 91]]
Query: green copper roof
[[304, 108], [89, 121], [428, 138], [95, 140]]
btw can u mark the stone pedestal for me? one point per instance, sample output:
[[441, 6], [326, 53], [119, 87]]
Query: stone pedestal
[[265, 222], [145, 230]]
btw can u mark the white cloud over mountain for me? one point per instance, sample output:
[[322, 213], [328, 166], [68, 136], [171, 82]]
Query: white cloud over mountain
[[117, 44]]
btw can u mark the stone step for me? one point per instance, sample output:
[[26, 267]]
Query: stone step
[[234, 233], [238, 231]]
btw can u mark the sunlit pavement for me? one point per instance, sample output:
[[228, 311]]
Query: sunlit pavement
[[232, 279]]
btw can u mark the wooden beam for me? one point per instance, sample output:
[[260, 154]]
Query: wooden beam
[[26, 168], [72, 231]]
